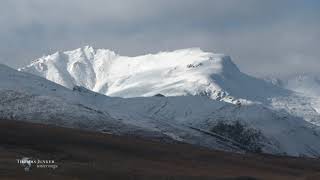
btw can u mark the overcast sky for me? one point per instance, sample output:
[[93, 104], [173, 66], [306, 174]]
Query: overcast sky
[[262, 36]]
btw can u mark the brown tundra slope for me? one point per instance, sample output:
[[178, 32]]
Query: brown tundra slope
[[90, 155]]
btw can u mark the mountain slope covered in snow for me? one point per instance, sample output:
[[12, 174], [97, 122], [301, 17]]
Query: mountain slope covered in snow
[[188, 119], [307, 86], [207, 100], [26, 97], [181, 72], [177, 73], [30, 98]]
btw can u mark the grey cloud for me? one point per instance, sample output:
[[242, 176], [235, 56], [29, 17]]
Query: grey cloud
[[263, 37]]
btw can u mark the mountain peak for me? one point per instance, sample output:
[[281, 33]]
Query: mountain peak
[[177, 73], [89, 47]]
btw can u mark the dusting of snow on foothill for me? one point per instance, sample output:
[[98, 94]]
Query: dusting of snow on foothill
[[184, 95]]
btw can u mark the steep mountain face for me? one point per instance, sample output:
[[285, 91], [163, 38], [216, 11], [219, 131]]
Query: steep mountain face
[[181, 72]]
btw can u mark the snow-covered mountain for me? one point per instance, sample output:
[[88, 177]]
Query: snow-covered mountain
[[30, 98], [177, 73], [188, 119], [181, 72], [204, 94]]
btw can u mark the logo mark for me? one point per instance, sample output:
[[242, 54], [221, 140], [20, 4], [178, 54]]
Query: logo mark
[[26, 163]]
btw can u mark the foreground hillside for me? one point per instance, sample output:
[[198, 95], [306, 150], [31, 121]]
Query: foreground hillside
[[90, 155]]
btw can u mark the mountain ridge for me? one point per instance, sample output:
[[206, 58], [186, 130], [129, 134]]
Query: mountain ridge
[[181, 72]]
